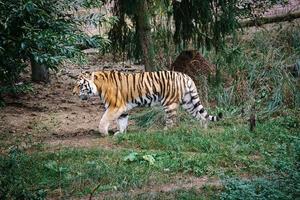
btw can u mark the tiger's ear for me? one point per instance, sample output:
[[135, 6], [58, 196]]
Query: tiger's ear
[[80, 76], [94, 76], [85, 74], [88, 73]]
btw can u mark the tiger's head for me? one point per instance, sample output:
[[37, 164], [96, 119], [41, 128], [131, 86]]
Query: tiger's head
[[85, 86]]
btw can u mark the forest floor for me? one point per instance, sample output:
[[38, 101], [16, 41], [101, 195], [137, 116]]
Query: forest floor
[[53, 110], [64, 156]]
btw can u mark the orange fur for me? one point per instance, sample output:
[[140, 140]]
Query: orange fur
[[123, 91]]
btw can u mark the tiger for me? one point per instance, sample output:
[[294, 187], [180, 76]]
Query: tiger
[[120, 92]]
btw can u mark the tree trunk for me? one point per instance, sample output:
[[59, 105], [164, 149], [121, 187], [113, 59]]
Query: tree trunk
[[39, 72], [143, 30]]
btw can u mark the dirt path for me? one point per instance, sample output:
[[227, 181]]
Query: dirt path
[[179, 183], [51, 114]]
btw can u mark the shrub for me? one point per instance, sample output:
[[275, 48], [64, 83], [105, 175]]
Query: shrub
[[14, 184], [44, 32]]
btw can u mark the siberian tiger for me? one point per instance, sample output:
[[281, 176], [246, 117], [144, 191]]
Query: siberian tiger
[[121, 92]]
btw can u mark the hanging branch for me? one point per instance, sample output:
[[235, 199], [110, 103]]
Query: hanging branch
[[207, 22]]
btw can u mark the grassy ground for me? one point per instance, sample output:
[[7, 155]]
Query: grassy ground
[[262, 164], [49, 147]]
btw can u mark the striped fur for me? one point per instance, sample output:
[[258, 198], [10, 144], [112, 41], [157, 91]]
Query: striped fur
[[123, 91]]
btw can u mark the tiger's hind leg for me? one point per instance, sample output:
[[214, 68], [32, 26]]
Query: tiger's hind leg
[[122, 123], [108, 117], [171, 114], [191, 103]]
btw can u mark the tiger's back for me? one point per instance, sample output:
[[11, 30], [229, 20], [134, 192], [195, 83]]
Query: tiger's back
[[141, 89]]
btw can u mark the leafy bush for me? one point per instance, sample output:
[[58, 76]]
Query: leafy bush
[[281, 181], [42, 31], [14, 184], [257, 189], [286, 187]]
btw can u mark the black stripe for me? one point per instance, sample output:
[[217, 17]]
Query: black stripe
[[99, 91], [194, 97], [168, 91], [189, 92], [163, 101], [149, 98], [131, 88], [156, 77], [127, 82], [164, 85], [201, 111], [123, 115], [150, 79], [154, 97], [133, 78], [141, 77], [105, 76], [139, 88], [173, 93], [120, 76], [197, 104], [104, 94], [137, 102], [141, 100], [161, 87], [113, 77], [116, 100]]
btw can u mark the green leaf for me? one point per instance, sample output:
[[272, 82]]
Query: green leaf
[[131, 157], [52, 165], [30, 7], [149, 158], [23, 45]]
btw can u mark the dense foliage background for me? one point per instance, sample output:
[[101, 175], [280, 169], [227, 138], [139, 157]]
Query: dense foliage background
[[257, 73]]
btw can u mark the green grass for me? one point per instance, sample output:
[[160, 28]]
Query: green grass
[[250, 165], [271, 153]]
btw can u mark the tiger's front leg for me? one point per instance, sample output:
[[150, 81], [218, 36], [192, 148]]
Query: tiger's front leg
[[108, 117]]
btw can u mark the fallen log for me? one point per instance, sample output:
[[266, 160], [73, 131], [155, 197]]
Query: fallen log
[[270, 19]]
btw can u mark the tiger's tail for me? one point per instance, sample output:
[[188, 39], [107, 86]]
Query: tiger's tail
[[191, 103]]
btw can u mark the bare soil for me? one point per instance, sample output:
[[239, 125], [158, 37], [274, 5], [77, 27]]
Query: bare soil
[[52, 115], [179, 183]]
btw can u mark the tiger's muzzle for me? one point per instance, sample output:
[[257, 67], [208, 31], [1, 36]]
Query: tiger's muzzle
[[83, 97]]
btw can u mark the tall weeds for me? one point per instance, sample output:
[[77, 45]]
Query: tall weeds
[[253, 70]]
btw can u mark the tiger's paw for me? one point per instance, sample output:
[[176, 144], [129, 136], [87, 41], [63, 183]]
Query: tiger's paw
[[103, 134], [118, 133]]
